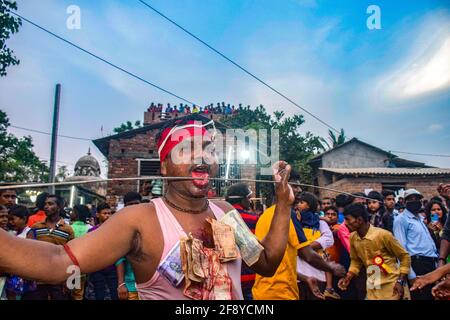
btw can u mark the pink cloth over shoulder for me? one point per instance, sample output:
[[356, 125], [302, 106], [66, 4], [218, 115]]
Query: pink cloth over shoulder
[[158, 288], [344, 235]]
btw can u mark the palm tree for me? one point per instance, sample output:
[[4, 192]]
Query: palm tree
[[335, 141]]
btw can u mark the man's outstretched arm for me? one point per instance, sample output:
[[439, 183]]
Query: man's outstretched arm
[[275, 241], [43, 261]]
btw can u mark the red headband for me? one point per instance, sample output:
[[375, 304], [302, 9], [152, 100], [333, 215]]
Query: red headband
[[168, 141]]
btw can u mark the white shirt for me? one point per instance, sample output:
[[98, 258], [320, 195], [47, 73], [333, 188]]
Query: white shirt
[[326, 240], [24, 233]]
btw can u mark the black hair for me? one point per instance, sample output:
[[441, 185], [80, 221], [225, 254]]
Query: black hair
[[356, 210], [82, 212], [375, 195], [131, 196], [358, 194], [3, 207], [7, 189], [386, 192], [310, 199], [437, 199], [103, 206], [443, 208], [295, 175], [59, 200], [40, 200], [238, 192], [19, 211], [334, 208], [343, 199]]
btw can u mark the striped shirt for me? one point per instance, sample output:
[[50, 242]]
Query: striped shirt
[[60, 235]]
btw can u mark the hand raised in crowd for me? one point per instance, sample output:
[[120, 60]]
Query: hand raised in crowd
[[444, 190], [435, 226], [441, 291], [422, 281], [281, 171]]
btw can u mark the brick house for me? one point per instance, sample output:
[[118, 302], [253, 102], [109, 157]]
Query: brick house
[[134, 153], [355, 166]]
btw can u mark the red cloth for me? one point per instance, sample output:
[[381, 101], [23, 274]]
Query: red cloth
[[37, 217], [177, 137]]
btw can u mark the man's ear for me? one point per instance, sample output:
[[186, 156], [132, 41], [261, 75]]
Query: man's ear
[[164, 168]]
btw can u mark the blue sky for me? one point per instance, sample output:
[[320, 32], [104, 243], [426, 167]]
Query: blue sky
[[388, 87]]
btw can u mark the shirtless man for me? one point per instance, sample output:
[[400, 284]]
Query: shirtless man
[[145, 233]]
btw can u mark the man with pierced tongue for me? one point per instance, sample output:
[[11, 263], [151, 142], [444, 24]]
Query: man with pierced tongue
[[154, 235]]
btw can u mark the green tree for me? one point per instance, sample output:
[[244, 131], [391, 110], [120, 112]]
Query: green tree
[[127, 126], [294, 147], [18, 162], [9, 24], [334, 140]]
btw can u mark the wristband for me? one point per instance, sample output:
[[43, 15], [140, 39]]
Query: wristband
[[121, 285], [71, 255]]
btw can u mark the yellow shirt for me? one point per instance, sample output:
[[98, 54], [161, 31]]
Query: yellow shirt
[[378, 242], [283, 284]]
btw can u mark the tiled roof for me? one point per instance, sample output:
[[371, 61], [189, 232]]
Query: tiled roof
[[389, 171]]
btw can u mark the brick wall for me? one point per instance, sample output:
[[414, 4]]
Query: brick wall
[[426, 185], [122, 160]]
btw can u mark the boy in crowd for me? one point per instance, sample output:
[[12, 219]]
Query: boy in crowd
[[107, 277], [18, 219], [54, 230], [334, 252], [390, 213], [377, 250], [375, 208], [320, 238], [8, 197]]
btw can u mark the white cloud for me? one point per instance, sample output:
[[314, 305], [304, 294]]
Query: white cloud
[[422, 72]]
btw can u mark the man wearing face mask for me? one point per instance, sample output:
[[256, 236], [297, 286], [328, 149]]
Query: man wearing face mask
[[414, 236]]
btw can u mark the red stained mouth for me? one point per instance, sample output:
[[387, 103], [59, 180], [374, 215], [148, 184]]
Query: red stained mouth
[[201, 176]]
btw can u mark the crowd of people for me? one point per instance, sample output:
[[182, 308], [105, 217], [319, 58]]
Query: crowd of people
[[219, 108], [376, 246], [399, 242]]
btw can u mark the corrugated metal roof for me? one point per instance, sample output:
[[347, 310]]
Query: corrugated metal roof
[[389, 171]]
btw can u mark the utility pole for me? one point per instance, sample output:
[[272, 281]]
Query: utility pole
[[51, 189]]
